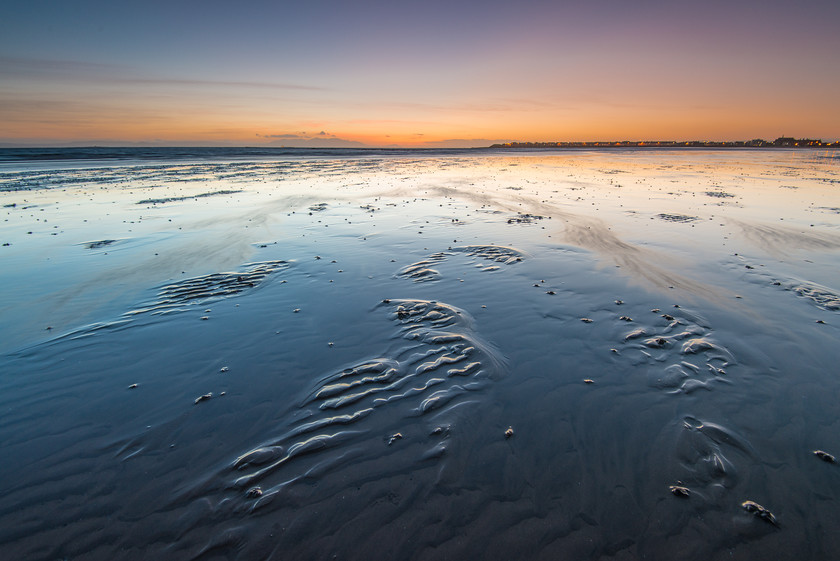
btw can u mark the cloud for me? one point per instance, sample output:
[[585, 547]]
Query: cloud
[[35, 68], [218, 83], [285, 136]]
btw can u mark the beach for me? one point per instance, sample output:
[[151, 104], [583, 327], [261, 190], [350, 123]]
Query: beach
[[419, 354]]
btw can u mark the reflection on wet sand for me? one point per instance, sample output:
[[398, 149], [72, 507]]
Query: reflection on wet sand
[[616, 355]]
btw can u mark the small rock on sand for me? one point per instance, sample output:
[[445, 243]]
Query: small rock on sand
[[759, 511], [679, 491], [825, 456]]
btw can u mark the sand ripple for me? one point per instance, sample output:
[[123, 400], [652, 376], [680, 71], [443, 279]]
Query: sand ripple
[[820, 295], [210, 287], [362, 408], [707, 452], [677, 342], [422, 271], [677, 217], [499, 254]]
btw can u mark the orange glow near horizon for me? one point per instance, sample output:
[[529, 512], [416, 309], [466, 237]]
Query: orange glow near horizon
[[251, 127]]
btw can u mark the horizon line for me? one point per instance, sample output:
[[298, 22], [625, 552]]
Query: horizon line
[[780, 142]]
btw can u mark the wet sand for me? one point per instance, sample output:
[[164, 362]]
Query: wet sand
[[528, 355]]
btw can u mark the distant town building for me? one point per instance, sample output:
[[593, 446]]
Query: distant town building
[[781, 142], [790, 142]]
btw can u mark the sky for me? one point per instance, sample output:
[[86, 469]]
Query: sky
[[415, 74]]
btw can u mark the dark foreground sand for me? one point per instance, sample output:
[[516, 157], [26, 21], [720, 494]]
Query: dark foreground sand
[[483, 356]]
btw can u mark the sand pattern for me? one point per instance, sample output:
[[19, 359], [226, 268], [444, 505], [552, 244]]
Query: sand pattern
[[210, 287], [677, 217], [361, 407], [682, 356], [183, 295], [98, 244], [423, 271], [165, 200], [821, 296], [680, 342], [708, 454]]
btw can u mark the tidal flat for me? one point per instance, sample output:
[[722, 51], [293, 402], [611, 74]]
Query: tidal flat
[[486, 354]]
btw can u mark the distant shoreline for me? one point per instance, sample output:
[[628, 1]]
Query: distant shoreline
[[12, 155], [781, 142]]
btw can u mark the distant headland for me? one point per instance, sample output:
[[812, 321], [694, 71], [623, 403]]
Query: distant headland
[[781, 142]]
